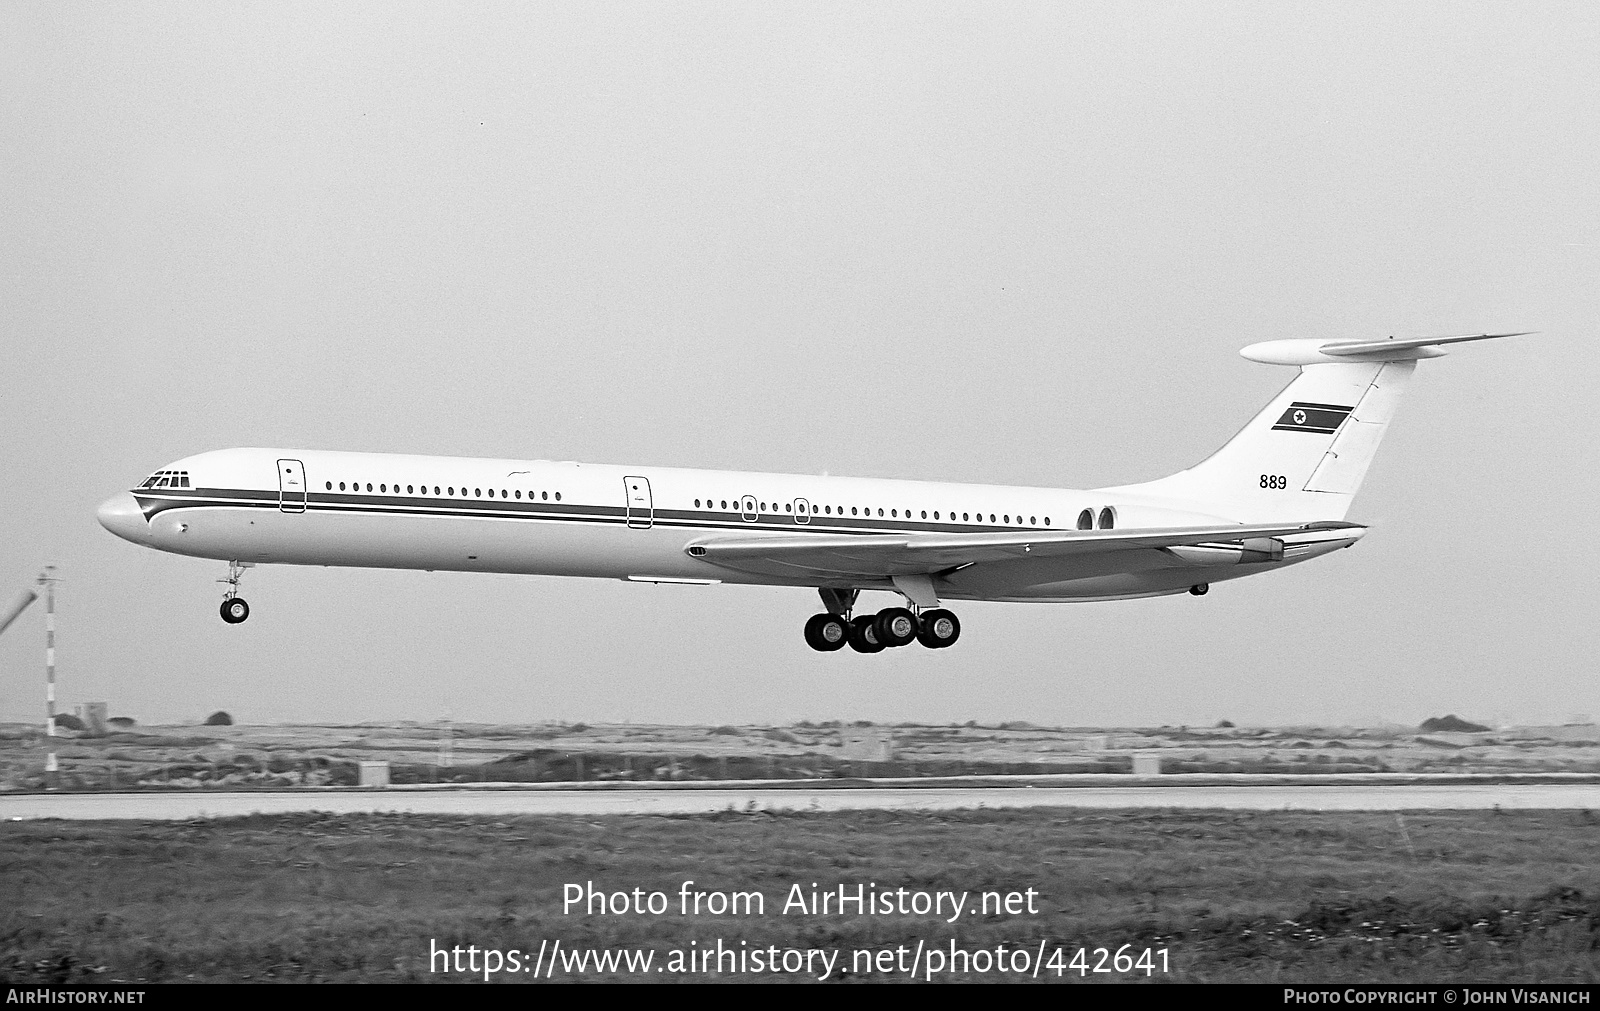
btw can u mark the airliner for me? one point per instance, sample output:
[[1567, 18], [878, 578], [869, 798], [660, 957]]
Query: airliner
[[1275, 495]]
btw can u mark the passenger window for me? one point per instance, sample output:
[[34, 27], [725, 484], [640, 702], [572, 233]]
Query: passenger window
[[1047, 521], [1032, 522], [545, 495], [697, 503], [451, 489], [519, 493], [852, 510], [828, 510], [724, 503], [341, 486], [328, 485], [558, 496], [1086, 520]]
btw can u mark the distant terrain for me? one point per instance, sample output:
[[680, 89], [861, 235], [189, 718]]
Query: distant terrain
[[275, 757]]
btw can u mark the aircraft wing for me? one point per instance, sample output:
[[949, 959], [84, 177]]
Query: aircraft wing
[[879, 556]]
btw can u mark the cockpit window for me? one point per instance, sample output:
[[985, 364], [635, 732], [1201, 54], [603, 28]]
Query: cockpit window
[[167, 479]]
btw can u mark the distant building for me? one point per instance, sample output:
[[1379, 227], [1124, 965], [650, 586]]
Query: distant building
[[867, 744], [93, 716]]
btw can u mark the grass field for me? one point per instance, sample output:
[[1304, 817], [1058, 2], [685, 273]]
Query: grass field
[[1231, 896]]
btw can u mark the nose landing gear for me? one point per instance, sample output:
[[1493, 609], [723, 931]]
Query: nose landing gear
[[234, 609]]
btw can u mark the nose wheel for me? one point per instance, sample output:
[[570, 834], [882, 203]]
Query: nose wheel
[[234, 609]]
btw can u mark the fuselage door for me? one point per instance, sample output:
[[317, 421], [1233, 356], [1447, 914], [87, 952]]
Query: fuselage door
[[802, 511], [641, 511], [291, 486], [747, 509]]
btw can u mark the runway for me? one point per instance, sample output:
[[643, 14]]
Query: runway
[[186, 806]]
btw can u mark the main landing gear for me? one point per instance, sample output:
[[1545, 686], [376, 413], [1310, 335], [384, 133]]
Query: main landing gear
[[935, 628], [234, 609]]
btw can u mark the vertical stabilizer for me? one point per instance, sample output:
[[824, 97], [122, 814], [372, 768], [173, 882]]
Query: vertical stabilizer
[[1304, 456]]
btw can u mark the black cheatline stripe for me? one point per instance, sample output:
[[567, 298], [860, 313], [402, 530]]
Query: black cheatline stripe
[[1322, 407], [488, 508], [568, 512], [1304, 428]]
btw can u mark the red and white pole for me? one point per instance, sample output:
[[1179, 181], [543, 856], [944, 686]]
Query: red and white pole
[[48, 579]]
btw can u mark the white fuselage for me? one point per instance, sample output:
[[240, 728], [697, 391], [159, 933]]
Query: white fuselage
[[310, 507]]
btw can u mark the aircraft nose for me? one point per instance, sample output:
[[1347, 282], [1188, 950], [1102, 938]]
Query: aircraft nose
[[120, 514]]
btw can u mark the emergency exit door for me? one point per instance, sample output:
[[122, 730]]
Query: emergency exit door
[[641, 512], [291, 486]]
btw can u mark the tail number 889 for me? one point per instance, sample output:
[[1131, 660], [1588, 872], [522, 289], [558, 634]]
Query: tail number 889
[[1274, 482]]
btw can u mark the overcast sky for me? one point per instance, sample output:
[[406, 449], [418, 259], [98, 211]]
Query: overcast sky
[[1003, 243]]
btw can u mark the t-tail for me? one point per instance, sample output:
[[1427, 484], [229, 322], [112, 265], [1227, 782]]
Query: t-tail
[[1303, 457]]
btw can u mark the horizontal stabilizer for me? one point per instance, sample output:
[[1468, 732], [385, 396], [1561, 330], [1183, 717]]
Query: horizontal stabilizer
[[1344, 349], [1316, 351]]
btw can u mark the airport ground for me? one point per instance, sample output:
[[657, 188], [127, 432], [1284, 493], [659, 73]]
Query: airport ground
[[1492, 894], [1229, 895]]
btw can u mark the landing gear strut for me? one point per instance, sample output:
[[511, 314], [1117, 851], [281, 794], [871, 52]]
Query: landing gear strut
[[234, 609], [891, 627]]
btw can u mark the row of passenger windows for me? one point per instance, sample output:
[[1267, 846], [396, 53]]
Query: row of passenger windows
[[1086, 519], [167, 479], [830, 510], [383, 489]]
